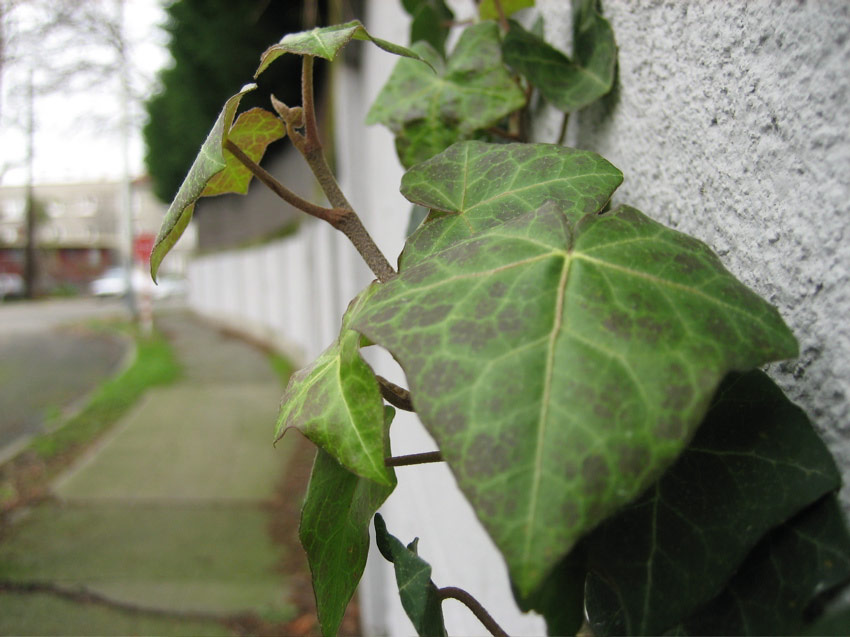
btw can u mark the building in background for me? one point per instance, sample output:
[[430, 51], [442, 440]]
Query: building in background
[[78, 231]]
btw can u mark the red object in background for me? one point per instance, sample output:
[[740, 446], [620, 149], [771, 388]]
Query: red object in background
[[142, 247]]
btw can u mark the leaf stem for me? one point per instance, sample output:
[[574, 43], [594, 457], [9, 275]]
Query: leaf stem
[[452, 592], [310, 146], [396, 396], [311, 131], [563, 133], [503, 20], [332, 215], [414, 458]]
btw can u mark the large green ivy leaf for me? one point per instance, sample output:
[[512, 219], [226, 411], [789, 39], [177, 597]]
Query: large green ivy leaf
[[754, 462], [327, 42], [418, 593], [473, 186], [562, 365], [336, 402], [335, 533], [209, 162], [568, 84], [775, 589], [472, 90]]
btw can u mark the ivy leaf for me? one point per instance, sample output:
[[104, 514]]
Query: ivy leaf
[[209, 162], [336, 402], [334, 532], [487, 8], [472, 90], [430, 22], [568, 84], [562, 365], [773, 592], [473, 186], [418, 593], [422, 139], [253, 131], [754, 463], [560, 599], [327, 42]]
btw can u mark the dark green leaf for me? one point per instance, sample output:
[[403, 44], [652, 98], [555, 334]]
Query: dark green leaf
[[473, 186], [208, 163], [336, 402], [487, 8], [562, 365], [471, 91], [773, 592], [560, 599], [335, 533], [413, 575], [430, 23], [424, 138], [327, 42], [754, 462], [568, 84]]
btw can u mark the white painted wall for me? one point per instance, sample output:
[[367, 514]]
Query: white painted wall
[[730, 123]]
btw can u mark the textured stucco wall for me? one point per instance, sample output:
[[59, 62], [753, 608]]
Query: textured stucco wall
[[731, 122]]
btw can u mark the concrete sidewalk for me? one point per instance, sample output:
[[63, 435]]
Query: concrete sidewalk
[[169, 511]]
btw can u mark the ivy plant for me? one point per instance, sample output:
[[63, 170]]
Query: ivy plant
[[589, 375]]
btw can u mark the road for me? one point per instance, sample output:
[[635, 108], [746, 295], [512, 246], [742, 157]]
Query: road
[[49, 362]]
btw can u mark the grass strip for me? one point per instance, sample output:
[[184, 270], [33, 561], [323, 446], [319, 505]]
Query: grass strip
[[155, 364]]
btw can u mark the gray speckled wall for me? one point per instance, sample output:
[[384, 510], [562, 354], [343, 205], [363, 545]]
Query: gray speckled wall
[[731, 122]]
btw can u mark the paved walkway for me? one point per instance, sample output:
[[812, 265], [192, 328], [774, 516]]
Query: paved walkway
[[169, 511]]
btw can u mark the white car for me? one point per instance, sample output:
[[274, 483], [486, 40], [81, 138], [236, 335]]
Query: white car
[[11, 284], [113, 282]]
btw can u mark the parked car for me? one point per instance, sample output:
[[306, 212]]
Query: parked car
[[11, 284], [113, 282]]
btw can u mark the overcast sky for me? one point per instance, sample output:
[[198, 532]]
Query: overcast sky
[[77, 138]]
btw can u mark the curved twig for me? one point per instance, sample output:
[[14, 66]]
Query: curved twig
[[475, 606], [396, 396]]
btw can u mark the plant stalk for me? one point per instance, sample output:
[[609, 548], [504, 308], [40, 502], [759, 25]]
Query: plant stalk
[[396, 396], [310, 146], [414, 458], [331, 215], [475, 606]]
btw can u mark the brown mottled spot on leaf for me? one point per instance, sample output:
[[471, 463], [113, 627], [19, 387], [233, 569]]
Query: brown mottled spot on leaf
[[632, 459], [489, 455], [595, 472], [444, 376], [511, 321], [677, 396], [421, 272], [570, 515], [671, 427], [420, 343], [475, 335], [687, 263], [448, 418], [618, 323], [419, 316]]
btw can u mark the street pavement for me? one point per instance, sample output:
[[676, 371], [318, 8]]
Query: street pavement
[[49, 363], [170, 511]]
